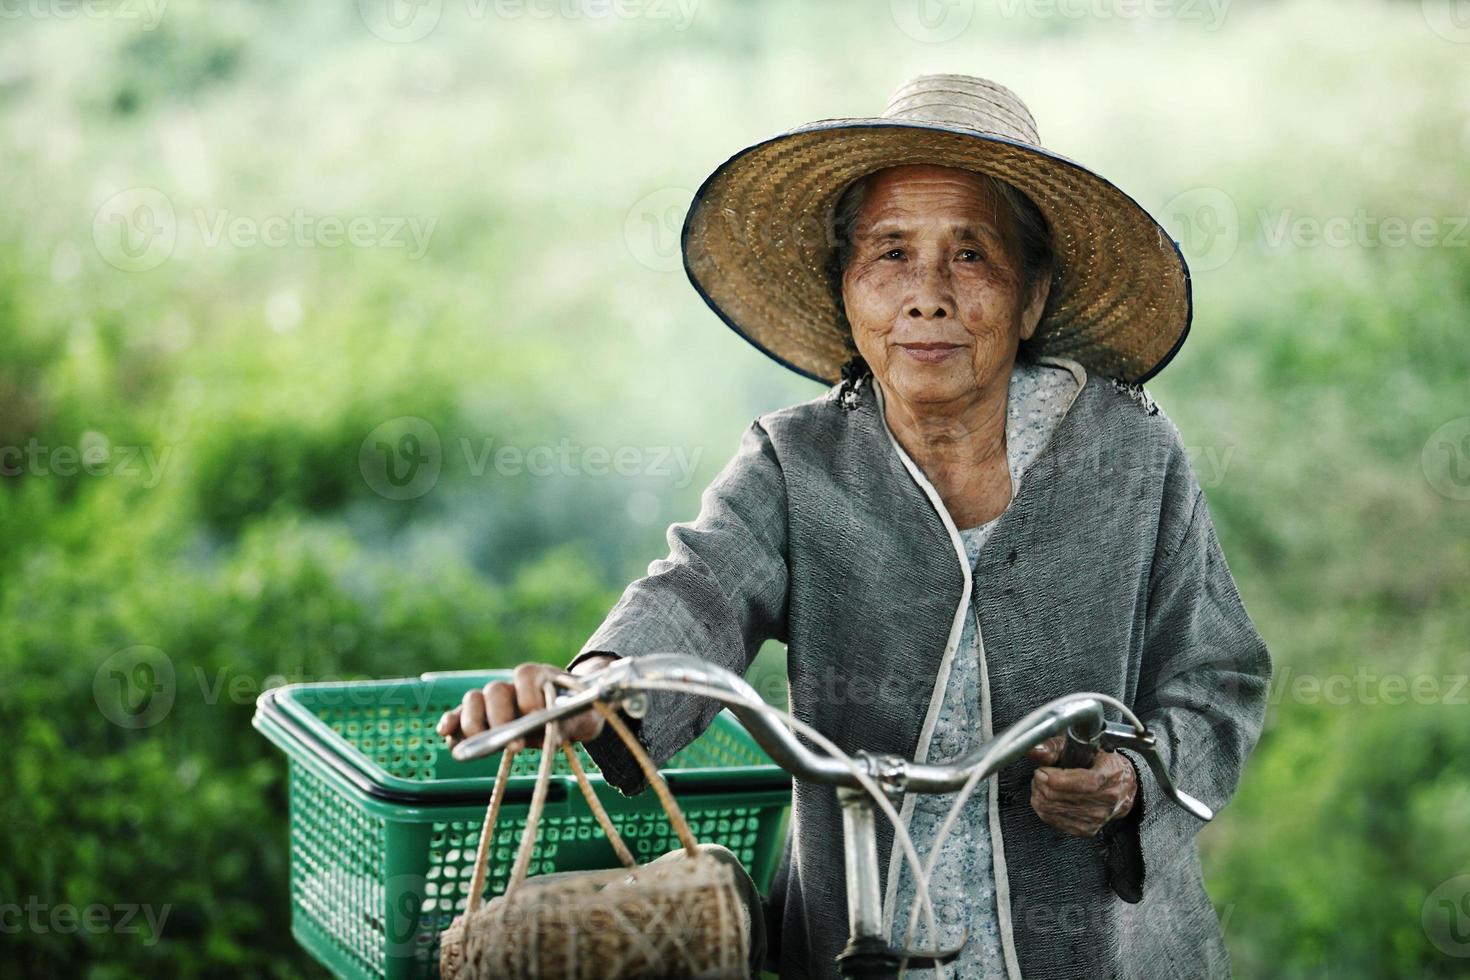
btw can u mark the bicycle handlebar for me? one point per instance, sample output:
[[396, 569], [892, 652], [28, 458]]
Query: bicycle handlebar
[[626, 681]]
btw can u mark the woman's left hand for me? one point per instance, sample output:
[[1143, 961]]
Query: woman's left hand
[[1080, 801]]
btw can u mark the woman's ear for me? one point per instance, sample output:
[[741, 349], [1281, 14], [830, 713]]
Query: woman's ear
[[1036, 302]]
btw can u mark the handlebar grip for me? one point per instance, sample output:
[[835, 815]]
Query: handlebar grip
[[1076, 753]]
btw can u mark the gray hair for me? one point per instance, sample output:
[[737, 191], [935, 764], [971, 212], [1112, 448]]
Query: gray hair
[[1030, 224]]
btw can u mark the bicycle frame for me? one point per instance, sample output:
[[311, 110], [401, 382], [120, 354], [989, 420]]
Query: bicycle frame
[[868, 954]]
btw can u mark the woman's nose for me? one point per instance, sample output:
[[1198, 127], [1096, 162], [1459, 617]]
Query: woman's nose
[[933, 294]]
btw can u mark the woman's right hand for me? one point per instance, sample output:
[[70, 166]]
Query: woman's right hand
[[500, 702]]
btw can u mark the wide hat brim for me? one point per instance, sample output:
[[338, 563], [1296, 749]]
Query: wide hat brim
[[758, 237]]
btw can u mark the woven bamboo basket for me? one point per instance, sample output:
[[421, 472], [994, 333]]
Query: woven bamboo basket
[[665, 919]]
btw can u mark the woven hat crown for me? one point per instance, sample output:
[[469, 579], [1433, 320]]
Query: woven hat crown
[[964, 102]]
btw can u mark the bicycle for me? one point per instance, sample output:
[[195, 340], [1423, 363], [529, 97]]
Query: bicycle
[[863, 782]]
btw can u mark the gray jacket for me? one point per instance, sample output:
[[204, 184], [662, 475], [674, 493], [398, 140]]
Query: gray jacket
[[1104, 574]]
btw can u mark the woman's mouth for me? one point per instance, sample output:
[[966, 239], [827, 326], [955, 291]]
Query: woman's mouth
[[929, 353]]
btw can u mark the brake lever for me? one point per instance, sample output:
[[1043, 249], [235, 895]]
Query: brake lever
[[1115, 735]]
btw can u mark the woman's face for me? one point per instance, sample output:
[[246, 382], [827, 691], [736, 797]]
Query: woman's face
[[933, 288]]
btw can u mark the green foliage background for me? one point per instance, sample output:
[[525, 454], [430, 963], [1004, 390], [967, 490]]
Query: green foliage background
[[551, 154]]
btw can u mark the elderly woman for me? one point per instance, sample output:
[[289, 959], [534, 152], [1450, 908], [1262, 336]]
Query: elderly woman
[[985, 513]]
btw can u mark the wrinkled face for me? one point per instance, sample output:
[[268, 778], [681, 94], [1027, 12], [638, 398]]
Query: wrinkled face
[[934, 286]]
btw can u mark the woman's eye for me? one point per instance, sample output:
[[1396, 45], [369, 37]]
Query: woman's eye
[[971, 255], [893, 253]]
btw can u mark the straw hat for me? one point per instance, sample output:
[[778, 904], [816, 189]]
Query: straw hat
[[758, 236]]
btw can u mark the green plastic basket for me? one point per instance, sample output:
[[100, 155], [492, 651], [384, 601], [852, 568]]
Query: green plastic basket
[[385, 823]]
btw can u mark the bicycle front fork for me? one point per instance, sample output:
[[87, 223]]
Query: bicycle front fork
[[868, 954]]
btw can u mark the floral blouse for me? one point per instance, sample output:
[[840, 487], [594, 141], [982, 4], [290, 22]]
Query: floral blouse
[[963, 887]]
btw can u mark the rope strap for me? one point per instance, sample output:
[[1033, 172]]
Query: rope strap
[[550, 744]]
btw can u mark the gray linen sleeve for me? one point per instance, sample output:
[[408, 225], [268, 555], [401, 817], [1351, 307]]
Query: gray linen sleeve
[[1202, 690], [719, 594]]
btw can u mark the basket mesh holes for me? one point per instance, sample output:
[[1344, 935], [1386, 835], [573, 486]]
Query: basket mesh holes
[[405, 744], [336, 876]]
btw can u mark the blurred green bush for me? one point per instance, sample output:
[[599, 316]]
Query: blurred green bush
[[185, 810]]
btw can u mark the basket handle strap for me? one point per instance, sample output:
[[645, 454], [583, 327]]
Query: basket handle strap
[[651, 773], [595, 805], [487, 831], [550, 744]]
